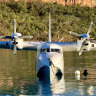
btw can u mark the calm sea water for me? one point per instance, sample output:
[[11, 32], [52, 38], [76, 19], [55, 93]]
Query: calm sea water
[[18, 75]]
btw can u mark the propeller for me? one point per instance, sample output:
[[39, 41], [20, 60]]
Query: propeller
[[14, 37], [84, 38]]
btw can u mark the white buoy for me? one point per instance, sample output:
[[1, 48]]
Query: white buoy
[[77, 72], [77, 75]]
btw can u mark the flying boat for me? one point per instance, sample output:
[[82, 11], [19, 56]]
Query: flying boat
[[49, 58]]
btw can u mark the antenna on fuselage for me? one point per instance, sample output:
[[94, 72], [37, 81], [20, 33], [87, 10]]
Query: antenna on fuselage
[[49, 33]]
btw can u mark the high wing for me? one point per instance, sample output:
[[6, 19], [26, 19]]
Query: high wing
[[16, 43], [31, 45], [74, 46], [27, 45], [67, 46]]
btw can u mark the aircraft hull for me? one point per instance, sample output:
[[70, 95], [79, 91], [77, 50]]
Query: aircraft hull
[[53, 66]]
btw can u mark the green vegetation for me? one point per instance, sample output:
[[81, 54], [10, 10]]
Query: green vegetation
[[32, 19]]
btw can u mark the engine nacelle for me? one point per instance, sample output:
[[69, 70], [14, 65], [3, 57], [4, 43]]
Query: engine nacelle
[[18, 41], [85, 46]]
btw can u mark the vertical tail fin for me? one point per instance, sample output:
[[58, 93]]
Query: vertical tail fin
[[14, 24], [49, 33]]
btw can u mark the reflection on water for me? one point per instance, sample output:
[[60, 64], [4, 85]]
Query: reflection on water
[[56, 86], [17, 75], [44, 87], [17, 72]]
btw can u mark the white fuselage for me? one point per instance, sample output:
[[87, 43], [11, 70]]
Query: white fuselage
[[51, 56]]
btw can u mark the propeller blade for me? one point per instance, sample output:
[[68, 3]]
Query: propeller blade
[[89, 29], [14, 49], [27, 37], [81, 50], [5, 37], [81, 47], [74, 34], [61, 39]]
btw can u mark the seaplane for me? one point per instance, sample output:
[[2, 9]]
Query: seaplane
[[49, 58]]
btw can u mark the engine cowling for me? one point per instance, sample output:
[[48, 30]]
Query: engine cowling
[[16, 40], [85, 46]]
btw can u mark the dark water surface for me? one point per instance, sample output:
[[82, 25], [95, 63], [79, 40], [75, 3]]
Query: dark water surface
[[17, 75]]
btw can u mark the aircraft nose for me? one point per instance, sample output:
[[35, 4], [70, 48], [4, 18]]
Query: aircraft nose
[[49, 55]]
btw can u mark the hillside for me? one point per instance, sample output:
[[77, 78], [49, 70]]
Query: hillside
[[90, 3], [32, 19]]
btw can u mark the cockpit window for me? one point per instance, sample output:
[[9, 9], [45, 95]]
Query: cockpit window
[[55, 50], [45, 50], [48, 50]]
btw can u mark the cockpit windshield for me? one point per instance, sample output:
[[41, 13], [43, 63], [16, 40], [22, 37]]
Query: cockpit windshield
[[49, 50], [45, 50], [55, 50]]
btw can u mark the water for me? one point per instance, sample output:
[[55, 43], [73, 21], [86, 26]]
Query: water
[[17, 75]]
